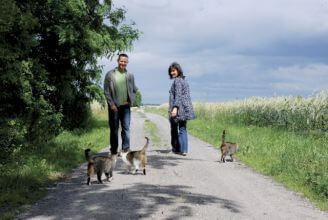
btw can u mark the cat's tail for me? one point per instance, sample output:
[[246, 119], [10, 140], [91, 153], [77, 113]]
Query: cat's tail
[[223, 137], [146, 145], [87, 154]]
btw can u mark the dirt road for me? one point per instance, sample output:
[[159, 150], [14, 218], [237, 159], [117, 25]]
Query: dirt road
[[176, 187]]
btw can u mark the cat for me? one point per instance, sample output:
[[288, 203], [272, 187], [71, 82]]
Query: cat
[[136, 159], [227, 148], [99, 164]]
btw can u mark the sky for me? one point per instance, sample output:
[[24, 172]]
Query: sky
[[229, 49]]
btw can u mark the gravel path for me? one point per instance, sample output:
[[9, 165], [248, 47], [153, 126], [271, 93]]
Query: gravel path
[[193, 187]]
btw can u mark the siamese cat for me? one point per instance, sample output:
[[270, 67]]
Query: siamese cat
[[99, 165], [227, 148], [136, 160]]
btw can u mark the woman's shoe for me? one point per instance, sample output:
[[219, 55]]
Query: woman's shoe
[[184, 154]]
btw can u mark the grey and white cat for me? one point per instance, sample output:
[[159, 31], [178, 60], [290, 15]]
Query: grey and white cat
[[136, 160]]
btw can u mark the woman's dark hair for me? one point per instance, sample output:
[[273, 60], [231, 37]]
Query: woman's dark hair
[[176, 66]]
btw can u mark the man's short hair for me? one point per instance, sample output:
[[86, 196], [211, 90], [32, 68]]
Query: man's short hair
[[122, 55]]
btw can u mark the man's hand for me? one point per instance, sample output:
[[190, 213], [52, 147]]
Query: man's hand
[[114, 108], [174, 112]]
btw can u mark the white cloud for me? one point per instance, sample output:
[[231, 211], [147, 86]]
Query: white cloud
[[233, 25], [243, 48]]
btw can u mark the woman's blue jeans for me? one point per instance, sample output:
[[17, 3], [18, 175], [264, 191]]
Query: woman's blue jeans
[[123, 115], [179, 136]]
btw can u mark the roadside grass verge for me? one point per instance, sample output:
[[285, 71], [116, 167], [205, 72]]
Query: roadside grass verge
[[152, 130], [161, 110], [297, 160], [26, 177]]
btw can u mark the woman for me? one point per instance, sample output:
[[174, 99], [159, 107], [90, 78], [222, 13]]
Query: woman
[[180, 109]]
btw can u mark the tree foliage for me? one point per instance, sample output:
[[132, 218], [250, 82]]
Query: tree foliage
[[138, 100], [48, 64]]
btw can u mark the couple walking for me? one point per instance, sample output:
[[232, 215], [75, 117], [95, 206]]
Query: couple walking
[[120, 90]]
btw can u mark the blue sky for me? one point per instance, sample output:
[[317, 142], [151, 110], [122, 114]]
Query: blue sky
[[229, 49]]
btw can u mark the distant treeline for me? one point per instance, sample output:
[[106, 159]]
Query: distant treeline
[[48, 64]]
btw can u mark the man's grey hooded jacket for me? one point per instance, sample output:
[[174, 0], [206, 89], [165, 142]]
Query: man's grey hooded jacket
[[109, 88]]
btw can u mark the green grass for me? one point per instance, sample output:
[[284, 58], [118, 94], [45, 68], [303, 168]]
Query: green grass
[[26, 178], [298, 161]]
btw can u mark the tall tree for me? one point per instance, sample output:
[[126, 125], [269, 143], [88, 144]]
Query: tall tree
[[48, 63]]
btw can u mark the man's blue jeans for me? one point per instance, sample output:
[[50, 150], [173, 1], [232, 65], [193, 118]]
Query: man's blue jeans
[[123, 115], [179, 136]]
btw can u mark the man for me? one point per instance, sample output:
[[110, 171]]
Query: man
[[120, 90]]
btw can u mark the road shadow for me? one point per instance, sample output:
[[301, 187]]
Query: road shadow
[[132, 202], [158, 161], [165, 151]]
